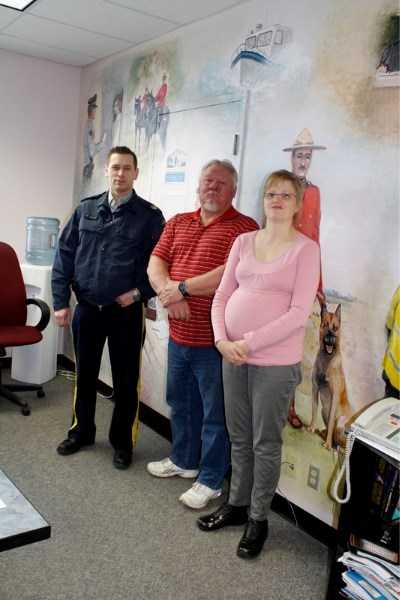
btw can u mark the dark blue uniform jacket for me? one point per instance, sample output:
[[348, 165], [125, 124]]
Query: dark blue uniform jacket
[[103, 254]]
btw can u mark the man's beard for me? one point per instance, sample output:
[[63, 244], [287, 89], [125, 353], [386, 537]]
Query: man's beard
[[210, 206]]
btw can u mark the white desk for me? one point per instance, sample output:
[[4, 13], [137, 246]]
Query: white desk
[[20, 522]]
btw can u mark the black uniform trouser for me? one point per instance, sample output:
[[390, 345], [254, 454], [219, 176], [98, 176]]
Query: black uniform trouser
[[123, 328]]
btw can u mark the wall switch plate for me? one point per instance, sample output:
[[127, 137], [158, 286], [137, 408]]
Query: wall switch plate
[[291, 465]]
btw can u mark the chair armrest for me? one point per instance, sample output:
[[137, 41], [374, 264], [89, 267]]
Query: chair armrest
[[45, 318]]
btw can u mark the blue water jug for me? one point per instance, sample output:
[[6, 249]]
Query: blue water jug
[[41, 240]]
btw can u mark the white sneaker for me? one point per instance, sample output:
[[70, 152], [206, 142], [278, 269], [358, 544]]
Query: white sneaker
[[199, 495], [166, 468]]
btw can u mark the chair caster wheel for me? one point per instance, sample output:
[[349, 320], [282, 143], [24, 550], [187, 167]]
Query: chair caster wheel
[[26, 411], [41, 394]]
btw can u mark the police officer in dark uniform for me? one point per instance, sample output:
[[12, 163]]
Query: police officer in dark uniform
[[102, 255]]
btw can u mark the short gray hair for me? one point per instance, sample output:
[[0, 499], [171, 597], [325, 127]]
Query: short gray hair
[[215, 162]]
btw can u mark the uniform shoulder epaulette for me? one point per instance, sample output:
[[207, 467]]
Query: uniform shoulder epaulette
[[94, 198], [147, 204]]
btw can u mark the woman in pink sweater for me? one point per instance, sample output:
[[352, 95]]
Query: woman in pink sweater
[[259, 315]]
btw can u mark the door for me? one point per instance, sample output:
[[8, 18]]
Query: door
[[195, 134]]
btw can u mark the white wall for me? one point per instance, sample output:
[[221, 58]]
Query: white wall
[[38, 128]]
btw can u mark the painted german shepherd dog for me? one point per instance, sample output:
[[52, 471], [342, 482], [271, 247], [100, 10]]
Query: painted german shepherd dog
[[328, 382]]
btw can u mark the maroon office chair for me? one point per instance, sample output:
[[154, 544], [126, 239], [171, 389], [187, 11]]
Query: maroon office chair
[[13, 315]]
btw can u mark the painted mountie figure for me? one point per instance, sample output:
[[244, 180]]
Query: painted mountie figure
[[90, 147], [161, 95], [309, 217]]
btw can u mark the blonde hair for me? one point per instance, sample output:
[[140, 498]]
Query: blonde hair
[[284, 175], [277, 177]]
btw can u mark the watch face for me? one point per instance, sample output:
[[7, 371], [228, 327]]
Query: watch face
[[182, 288]]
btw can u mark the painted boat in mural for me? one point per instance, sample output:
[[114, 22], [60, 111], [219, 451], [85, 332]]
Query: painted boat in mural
[[263, 44]]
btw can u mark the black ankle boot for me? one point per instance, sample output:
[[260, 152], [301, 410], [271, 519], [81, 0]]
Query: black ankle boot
[[255, 534], [223, 516]]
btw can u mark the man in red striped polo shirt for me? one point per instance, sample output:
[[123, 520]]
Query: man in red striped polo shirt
[[185, 269]]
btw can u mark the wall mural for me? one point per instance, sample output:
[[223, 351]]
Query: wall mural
[[321, 97], [263, 52], [90, 147]]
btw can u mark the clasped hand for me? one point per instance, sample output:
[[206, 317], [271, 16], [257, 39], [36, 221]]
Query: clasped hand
[[235, 352], [171, 299], [170, 293]]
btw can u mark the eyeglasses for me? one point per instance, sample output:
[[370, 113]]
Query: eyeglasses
[[283, 195]]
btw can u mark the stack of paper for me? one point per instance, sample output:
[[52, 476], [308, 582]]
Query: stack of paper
[[369, 577]]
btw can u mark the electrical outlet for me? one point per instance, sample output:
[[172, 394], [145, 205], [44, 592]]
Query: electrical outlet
[[291, 465], [313, 477]]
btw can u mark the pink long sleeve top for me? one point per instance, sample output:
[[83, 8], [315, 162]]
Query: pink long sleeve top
[[267, 304]]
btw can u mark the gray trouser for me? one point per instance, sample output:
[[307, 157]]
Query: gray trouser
[[256, 406]]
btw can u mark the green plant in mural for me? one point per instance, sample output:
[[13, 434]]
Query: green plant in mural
[[389, 46]]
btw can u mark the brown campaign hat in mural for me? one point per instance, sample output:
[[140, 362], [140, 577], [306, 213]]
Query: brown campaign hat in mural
[[304, 140]]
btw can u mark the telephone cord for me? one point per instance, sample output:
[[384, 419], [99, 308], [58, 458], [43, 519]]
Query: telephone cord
[[345, 468]]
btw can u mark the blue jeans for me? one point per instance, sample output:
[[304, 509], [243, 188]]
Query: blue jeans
[[194, 393]]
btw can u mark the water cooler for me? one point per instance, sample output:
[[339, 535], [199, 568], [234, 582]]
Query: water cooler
[[37, 363]]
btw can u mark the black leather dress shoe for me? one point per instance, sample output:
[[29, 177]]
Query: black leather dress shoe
[[225, 515], [122, 459], [69, 446], [255, 534]]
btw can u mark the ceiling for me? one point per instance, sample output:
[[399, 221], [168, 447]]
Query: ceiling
[[81, 32]]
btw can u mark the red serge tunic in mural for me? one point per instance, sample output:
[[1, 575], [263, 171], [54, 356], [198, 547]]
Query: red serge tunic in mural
[[309, 217]]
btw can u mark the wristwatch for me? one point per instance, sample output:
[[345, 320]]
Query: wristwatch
[[136, 295], [183, 289]]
